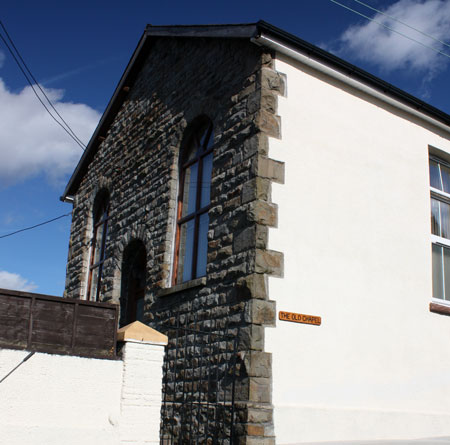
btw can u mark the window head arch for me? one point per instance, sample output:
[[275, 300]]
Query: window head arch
[[98, 243], [194, 197]]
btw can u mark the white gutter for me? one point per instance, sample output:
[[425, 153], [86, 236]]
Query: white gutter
[[263, 40], [68, 199]]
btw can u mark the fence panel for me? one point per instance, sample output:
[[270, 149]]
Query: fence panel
[[45, 323]]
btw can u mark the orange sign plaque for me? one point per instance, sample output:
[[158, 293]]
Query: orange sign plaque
[[300, 318]]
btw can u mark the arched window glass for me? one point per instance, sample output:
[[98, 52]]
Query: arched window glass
[[191, 243], [98, 242]]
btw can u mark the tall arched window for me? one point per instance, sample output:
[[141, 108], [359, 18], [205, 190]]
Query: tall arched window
[[191, 243], [97, 256]]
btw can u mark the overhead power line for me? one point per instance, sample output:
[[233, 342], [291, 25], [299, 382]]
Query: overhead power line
[[402, 23], [28, 74], [37, 83], [36, 225], [390, 29]]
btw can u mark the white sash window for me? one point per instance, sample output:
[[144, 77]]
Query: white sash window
[[440, 228]]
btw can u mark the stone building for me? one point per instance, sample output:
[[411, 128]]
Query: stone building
[[218, 136]]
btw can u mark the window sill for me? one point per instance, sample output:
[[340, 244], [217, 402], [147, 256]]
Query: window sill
[[440, 309], [182, 286]]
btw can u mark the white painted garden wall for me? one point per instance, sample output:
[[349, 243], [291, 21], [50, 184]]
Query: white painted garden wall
[[56, 399], [354, 226]]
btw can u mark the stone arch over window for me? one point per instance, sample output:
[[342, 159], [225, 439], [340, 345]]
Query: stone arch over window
[[195, 169], [98, 243], [132, 293]]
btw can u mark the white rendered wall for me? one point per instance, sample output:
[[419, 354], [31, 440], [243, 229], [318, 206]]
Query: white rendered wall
[[141, 393], [56, 399], [354, 226]]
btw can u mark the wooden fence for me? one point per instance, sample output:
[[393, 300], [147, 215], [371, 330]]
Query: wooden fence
[[57, 325]]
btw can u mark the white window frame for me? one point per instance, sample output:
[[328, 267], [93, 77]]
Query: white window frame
[[435, 239]]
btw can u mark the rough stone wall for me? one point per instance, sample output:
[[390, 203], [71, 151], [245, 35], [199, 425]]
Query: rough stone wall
[[234, 84]]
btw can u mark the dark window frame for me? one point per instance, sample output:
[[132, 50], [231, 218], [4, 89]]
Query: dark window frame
[[193, 143], [101, 219]]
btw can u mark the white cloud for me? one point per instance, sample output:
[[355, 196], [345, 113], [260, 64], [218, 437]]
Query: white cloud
[[376, 44], [14, 281], [32, 143]]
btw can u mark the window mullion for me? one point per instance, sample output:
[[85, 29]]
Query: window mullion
[[100, 226], [91, 265], [197, 217], [102, 254], [103, 246], [195, 248], [440, 234], [101, 261], [443, 273], [99, 279], [177, 244]]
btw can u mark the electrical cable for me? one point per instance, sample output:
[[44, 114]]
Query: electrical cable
[[390, 29], [403, 23], [73, 136], [37, 95], [21, 363], [37, 83], [36, 225]]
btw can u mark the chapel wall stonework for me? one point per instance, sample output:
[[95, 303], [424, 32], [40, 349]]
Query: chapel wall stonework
[[233, 82]]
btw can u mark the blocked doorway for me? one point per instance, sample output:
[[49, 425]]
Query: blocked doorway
[[132, 293]]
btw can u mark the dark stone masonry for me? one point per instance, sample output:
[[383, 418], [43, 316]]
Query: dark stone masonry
[[233, 83]]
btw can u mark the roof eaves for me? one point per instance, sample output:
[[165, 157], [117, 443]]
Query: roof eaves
[[352, 71]]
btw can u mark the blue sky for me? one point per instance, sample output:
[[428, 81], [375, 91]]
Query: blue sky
[[78, 50]]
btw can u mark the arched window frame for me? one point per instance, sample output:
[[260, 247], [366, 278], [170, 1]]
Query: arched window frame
[[98, 246], [192, 210]]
